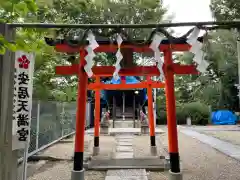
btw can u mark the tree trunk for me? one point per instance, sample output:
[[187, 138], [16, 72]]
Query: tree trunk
[[127, 60]]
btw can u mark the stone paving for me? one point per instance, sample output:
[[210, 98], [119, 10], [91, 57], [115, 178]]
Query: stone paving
[[115, 131], [222, 146], [124, 143], [228, 136], [124, 151], [215, 128], [131, 174], [229, 133]]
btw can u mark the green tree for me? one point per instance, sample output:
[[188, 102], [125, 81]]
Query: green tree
[[225, 10], [101, 11], [17, 10], [224, 51], [46, 83], [217, 86]]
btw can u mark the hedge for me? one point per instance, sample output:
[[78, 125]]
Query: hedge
[[197, 111]]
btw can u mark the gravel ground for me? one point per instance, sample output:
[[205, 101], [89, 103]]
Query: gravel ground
[[198, 161], [60, 150], [32, 168], [201, 162], [65, 149], [107, 146], [62, 171], [141, 146], [229, 136]]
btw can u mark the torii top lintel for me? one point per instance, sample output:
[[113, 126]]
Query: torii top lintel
[[73, 46]]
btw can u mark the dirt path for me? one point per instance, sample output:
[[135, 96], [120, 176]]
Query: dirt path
[[198, 161], [201, 162]]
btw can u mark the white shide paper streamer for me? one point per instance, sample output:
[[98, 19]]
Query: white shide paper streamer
[[90, 50], [119, 57], [196, 49], [157, 39]]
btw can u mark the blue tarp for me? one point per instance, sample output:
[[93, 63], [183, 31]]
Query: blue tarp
[[223, 117], [129, 80], [103, 95]]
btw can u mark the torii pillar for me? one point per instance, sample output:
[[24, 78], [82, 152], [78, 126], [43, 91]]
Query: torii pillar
[[97, 119], [175, 173], [78, 170], [151, 119]]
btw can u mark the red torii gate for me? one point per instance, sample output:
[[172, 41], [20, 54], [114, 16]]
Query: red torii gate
[[169, 68], [97, 86]]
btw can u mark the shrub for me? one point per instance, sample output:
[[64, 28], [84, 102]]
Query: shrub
[[197, 111], [180, 115], [161, 117]]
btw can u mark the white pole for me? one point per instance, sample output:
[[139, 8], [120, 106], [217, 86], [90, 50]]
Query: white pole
[[63, 114], [37, 129], [155, 104], [238, 52], [25, 161], [123, 106], [25, 157]]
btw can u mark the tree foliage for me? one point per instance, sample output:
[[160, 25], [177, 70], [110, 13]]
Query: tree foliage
[[217, 86], [225, 9], [46, 84], [214, 88]]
